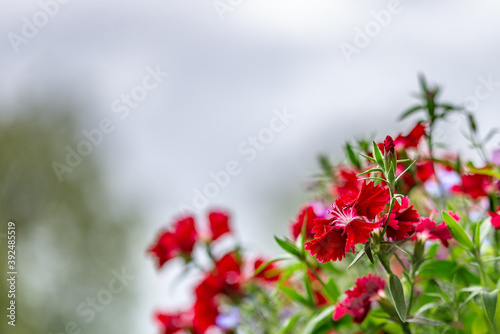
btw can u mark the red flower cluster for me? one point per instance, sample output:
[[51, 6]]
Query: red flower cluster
[[474, 185], [351, 223], [430, 230], [181, 240], [222, 284], [225, 280], [358, 302], [402, 222]]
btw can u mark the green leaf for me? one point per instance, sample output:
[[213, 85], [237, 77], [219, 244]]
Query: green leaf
[[294, 295], [357, 258], [368, 158], [490, 304], [425, 321], [477, 235], [264, 265], [353, 158], [407, 169], [398, 297], [368, 251], [317, 321], [409, 112], [289, 323], [378, 155], [457, 232], [373, 170], [326, 166], [486, 227], [288, 247], [332, 290]]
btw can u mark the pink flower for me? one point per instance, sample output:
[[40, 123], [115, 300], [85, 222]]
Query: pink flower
[[429, 229], [358, 302], [351, 223]]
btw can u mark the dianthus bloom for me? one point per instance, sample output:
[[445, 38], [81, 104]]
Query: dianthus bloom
[[358, 302], [495, 219], [402, 221], [429, 229], [225, 279], [474, 185], [351, 223], [306, 217], [346, 181], [171, 322], [412, 139], [219, 224], [179, 242]]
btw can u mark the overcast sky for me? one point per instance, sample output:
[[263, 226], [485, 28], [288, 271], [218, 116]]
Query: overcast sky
[[341, 69]]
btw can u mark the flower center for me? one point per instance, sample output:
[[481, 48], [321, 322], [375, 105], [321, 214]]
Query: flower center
[[344, 216]]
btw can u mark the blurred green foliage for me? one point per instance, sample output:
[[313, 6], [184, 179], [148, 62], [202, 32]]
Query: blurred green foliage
[[70, 235]]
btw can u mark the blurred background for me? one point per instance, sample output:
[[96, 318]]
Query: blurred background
[[117, 115]]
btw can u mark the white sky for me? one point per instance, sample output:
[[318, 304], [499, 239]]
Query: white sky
[[226, 77]]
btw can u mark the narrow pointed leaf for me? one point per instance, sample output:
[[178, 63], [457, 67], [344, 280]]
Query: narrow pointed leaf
[[368, 251], [317, 321], [378, 155], [409, 112], [398, 297], [353, 158], [368, 158], [458, 232], [357, 258], [490, 304], [288, 247]]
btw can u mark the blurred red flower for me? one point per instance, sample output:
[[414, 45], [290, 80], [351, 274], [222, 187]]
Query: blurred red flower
[[357, 304]]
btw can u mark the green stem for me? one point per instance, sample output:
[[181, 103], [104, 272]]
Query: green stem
[[431, 154]]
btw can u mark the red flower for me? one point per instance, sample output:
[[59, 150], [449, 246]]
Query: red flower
[[307, 217], [185, 234], [351, 223], [389, 145], [357, 304], [169, 322], [425, 170], [205, 315], [412, 139], [495, 219], [224, 280], [346, 182], [474, 185], [219, 224], [179, 242], [402, 221], [429, 229], [271, 273], [165, 248]]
